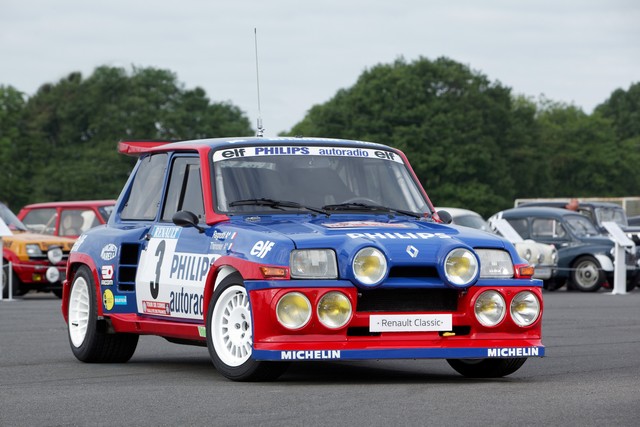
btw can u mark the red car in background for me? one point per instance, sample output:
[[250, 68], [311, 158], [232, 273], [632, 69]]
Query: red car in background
[[68, 219]]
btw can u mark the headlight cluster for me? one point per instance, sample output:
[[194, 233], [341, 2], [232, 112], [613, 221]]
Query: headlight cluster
[[54, 254], [369, 266], [333, 310], [34, 251], [313, 264], [495, 264], [461, 267], [491, 308]]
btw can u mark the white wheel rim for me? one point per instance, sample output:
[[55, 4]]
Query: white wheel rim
[[587, 274], [231, 326], [79, 307]]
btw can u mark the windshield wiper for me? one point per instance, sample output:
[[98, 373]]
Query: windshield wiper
[[356, 206], [276, 204]]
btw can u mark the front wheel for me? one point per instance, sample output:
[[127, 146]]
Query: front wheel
[[89, 340], [230, 335], [15, 282], [587, 276], [486, 368]]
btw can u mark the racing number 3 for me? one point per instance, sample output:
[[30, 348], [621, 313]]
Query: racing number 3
[[155, 286]]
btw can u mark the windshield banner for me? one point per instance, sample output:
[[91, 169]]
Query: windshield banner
[[305, 151]]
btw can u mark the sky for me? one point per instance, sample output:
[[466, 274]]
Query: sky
[[572, 51]]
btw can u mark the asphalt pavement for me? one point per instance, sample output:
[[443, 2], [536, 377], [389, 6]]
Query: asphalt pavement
[[590, 376]]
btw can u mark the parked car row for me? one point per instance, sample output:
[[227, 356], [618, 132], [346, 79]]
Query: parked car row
[[584, 249]]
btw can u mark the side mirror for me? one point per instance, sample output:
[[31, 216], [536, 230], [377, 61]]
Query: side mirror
[[187, 219], [445, 217]]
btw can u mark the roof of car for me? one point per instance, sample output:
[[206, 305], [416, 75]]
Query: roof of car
[[139, 147], [71, 204], [562, 204], [538, 211]]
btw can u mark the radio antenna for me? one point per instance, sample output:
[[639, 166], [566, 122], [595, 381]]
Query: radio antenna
[[260, 132]]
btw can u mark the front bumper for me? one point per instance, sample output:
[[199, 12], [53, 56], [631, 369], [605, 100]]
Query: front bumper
[[35, 274], [466, 339]]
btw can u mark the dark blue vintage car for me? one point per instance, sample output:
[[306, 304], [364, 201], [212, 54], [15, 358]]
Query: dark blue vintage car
[[585, 255]]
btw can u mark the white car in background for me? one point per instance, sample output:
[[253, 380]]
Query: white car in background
[[543, 257]]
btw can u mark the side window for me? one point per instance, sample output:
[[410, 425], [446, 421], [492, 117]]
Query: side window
[[74, 222], [546, 228], [146, 189], [185, 189], [41, 220], [521, 226]]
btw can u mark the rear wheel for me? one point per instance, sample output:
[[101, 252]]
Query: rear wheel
[[486, 368], [230, 335], [587, 276], [88, 338]]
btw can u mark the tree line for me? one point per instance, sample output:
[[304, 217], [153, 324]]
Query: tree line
[[472, 142]]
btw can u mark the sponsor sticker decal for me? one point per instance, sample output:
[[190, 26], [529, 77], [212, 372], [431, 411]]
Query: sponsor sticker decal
[[106, 274], [261, 248], [305, 151], [513, 352], [165, 232], [356, 224], [156, 307], [120, 300], [309, 354], [202, 331], [410, 322], [109, 252], [406, 236], [107, 299]]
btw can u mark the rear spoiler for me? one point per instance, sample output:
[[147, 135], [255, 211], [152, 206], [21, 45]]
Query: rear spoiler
[[135, 148]]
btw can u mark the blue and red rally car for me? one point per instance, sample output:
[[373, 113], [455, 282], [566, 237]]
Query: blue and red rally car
[[276, 250]]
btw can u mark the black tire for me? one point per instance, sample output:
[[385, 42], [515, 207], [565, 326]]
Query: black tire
[[553, 284], [486, 368], [88, 337], [587, 275], [15, 282], [231, 348]]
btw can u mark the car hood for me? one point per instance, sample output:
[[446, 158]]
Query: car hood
[[403, 241], [43, 240]]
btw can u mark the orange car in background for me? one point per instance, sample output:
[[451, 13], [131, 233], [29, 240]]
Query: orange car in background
[[68, 219]]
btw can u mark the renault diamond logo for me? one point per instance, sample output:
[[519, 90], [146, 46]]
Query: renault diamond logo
[[412, 251]]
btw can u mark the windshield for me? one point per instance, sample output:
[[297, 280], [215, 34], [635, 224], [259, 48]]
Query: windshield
[[264, 179], [10, 219], [616, 215], [581, 225]]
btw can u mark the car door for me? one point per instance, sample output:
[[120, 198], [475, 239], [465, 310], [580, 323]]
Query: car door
[[174, 264]]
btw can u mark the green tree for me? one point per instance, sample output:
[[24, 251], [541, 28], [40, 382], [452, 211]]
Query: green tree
[[11, 110], [74, 126], [455, 126], [623, 109], [583, 155]]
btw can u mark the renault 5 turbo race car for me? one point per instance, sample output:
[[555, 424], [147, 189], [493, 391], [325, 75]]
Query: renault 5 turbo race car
[[271, 251]]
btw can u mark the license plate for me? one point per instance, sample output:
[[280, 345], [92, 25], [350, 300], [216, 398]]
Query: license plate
[[410, 322]]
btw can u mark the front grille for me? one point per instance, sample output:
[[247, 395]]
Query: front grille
[[407, 300], [413, 271]]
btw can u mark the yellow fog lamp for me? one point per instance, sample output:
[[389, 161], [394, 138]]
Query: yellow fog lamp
[[334, 310], [293, 310]]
